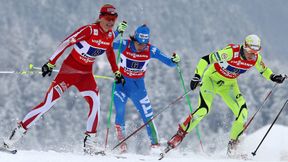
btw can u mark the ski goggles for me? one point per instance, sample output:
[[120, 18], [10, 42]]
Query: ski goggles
[[109, 17], [252, 48], [138, 42]]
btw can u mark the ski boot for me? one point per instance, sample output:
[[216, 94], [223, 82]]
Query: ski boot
[[123, 148], [177, 138], [120, 132], [174, 141], [15, 136], [155, 149], [90, 142], [235, 152], [232, 148]]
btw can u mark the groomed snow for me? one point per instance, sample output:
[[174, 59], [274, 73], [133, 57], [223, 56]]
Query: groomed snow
[[274, 148]]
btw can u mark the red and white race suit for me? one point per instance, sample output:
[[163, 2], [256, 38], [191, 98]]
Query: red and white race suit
[[88, 42]]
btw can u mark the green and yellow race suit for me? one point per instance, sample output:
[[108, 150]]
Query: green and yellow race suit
[[220, 78]]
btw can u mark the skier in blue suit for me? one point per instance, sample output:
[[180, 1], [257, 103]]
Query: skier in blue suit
[[136, 53]]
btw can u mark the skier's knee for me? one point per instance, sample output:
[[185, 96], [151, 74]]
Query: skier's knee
[[243, 114], [200, 113], [194, 119]]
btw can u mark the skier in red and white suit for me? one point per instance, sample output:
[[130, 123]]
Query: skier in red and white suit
[[88, 42]]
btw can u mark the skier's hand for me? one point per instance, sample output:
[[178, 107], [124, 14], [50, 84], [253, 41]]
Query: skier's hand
[[47, 69], [122, 27], [195, 82], [278, 78], [175, 58], [119, 78]]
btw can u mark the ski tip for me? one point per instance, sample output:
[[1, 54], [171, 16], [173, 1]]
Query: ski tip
[[161, 156], [100, 153], [14, 151], [8, 151]]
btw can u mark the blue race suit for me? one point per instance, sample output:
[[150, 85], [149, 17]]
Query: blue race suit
[[133, 66]]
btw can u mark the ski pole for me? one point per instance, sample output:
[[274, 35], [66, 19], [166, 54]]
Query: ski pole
[[112, 94], [254, 153], [189, 103], [266, 98], [23, 72], [33, 68], [161, 111]]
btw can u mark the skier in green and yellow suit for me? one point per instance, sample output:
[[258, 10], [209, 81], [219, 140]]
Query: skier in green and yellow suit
[[220, 78]]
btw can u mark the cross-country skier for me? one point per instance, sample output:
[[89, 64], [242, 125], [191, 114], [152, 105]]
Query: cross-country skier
[[136, 53], [88, 42], [221, 78]]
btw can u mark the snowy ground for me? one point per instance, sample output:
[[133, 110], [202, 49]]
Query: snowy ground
[[273, 149]]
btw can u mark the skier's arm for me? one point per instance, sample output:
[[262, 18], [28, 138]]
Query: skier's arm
[[262, 68], [116, 33], [120, 28], [202, 64], [218, 56], [157, 54], [111, 58], [81, 34], [116, 45]]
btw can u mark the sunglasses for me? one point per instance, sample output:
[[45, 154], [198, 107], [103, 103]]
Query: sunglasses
[[252, 48], [109, 17], [141, 44]]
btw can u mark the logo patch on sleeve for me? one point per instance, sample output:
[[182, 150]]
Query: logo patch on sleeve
[[224, 56], [153, 50], [262, 65], [95, 31]]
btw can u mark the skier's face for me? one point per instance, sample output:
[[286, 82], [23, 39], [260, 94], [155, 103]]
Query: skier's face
[[250, 53], [107, 22], [139, 46]]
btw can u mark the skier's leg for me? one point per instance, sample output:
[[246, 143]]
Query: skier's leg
[[55, 91], [120, 100], [237, 104], [143, 106], [52, 95], [90, 92], [206, 96], [205, 99], [93, 99]]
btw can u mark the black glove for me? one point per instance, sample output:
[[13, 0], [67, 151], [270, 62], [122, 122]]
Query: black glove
[[195, 82], [47, 69], [119, 78], [278, 78]]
